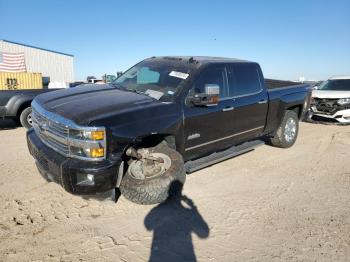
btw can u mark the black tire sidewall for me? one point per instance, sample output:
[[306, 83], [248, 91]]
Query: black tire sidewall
[[23, 117]]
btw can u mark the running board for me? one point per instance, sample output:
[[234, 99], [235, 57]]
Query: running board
[[192, 166]]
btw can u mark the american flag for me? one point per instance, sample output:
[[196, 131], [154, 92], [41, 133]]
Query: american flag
[[12, 62]]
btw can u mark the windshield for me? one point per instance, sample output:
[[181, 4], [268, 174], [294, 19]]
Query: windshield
[[160, 79], [336, 85]]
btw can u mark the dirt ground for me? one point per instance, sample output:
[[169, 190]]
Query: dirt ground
[[267, 205]]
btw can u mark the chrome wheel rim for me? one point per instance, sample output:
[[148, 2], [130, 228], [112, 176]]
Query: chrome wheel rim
[[29, 119], [290, 130]]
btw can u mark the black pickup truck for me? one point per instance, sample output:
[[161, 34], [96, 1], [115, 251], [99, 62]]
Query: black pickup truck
[[15, 104], [162, 118]]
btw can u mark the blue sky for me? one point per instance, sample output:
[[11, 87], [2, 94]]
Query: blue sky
[[288, 38]]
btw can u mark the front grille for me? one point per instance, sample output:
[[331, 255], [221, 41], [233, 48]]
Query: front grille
[[53, 134], [64, 136], [328, 106]]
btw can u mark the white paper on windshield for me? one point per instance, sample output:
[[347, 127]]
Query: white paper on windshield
[[179, 74], [155, 94]]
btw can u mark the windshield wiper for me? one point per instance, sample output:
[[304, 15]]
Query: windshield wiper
[[141, 93], [119, 86]]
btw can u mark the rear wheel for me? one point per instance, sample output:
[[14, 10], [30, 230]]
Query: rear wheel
[[26, 118], [151, 180], [287, 132]]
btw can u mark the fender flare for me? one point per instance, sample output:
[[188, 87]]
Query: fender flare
[[15, 103]]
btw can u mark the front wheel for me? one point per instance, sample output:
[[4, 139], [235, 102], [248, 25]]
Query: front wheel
[[156, 178], [287, 132], [26, 118]]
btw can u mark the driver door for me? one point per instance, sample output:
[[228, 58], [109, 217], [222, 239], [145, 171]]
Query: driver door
[[207, 127]]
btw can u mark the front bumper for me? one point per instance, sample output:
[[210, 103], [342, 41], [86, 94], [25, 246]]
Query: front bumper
[[342, 116], [68, 171]]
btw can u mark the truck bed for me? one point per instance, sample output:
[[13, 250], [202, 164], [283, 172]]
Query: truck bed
[[282, 97], [11, 100], [275, 83]]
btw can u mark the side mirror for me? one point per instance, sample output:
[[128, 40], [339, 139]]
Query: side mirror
[[209, 98]]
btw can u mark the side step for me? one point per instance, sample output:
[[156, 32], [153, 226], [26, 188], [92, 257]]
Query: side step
[[194, 165]]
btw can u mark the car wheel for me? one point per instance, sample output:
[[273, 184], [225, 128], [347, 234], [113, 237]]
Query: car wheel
[[150, 182], [287, 132], [26, 118]]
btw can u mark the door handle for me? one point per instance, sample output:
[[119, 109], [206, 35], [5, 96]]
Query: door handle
[[262, 102], [226, 109]]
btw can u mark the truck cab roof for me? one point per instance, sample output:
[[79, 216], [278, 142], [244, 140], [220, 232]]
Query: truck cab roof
[[201, 59]]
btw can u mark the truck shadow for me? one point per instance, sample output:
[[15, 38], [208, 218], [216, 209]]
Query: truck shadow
[[6, 124], [173, 223]]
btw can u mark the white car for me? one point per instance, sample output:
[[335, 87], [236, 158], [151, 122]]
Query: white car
[[332, 99]]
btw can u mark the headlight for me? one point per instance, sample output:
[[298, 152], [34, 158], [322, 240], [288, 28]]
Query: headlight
[[343, 101], [87, 135], [88, 143]]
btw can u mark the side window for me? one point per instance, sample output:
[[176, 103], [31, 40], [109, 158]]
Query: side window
[[214, 75], [243, 79]]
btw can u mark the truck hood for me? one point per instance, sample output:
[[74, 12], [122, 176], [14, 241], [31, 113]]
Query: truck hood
[[88, 103], [330, 94]]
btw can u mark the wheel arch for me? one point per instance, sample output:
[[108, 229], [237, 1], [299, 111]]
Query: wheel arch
[[23, 106], [155, 139], [297, 109], [150, 140], [17, 104]]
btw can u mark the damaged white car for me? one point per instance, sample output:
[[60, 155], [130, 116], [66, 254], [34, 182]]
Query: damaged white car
[[331, 100]]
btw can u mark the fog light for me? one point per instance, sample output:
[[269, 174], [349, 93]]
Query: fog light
[[85, 179]]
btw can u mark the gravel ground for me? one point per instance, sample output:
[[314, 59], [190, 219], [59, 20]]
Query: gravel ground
[[268, 205]]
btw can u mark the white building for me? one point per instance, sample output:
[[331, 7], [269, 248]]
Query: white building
[[56, 66]]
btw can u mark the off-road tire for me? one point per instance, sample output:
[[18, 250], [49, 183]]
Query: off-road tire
[[279, 140], [156, 189], [24, 117]]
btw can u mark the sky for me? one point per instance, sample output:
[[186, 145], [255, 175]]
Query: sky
[[288, 38]]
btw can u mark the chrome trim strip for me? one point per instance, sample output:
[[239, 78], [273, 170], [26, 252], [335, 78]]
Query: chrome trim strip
[[47, 143], [240, 96], [227, 109], [223, 138], [48, 133]]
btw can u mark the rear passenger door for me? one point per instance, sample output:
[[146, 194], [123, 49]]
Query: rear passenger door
[[250, 101]]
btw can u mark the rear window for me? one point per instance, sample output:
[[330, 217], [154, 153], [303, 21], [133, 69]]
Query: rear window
[[243, 79]]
